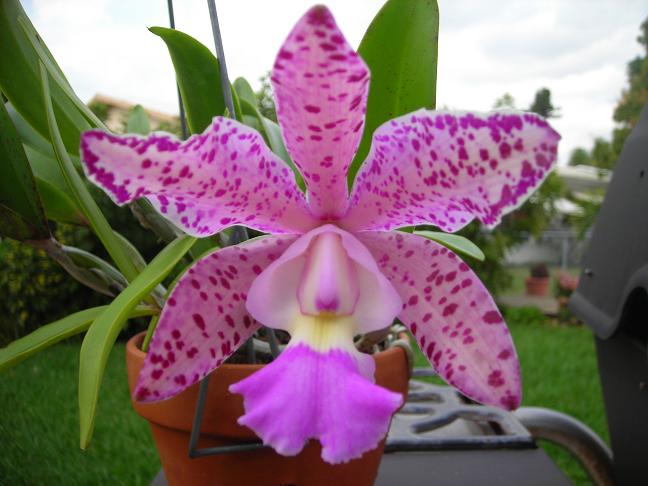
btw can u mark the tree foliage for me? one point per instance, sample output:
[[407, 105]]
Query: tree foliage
[[634, 97]]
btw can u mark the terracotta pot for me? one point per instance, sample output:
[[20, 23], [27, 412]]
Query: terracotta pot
[[171, 422], [538, 286]]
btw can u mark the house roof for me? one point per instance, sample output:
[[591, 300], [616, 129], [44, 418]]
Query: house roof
[[123, 105]]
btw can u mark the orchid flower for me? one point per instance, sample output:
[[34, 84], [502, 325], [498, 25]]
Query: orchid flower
[[331, 267]]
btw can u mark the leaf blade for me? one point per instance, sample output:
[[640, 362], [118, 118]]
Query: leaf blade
[[18, 190], [454, 242], [104, 331], [198, 76], [54, 332], [400, 49], [20, 82], [138, 121]]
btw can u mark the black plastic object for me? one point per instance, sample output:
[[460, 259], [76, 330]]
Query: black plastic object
[[612, 299]]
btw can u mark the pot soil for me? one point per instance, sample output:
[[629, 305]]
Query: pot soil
[[171, 422], [538, 286]]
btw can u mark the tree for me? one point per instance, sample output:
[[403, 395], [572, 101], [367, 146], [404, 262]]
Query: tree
[[542, 104], [505, 101], [579, 156], [634, 97]]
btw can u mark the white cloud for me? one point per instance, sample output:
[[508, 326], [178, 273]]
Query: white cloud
[[578, 49]]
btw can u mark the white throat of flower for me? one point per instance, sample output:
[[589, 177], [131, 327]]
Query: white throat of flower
[[327, 295]]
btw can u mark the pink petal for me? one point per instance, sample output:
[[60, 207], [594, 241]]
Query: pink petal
[[329, 279], [452, 316], [305, 394], [446, 169], [204, 320], [272, 299], [224, 176], [321, 87]]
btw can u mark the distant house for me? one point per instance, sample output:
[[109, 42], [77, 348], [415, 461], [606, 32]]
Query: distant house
[[115, 111], [558, 244]]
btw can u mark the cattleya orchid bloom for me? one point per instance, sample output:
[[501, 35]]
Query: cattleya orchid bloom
[[330, 268]]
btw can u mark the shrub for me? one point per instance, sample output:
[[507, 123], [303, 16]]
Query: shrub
[[35, 290]]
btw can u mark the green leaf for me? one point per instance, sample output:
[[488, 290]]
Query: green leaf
[[20, 81], [198, 76], [244, 91], [97, 266], [35, 142], [45, 57], [24, 217], [54, 332], [454, 242], [104, 331], [51, 185], [27, 134], [138, 121], [80, 192], [58, 205], [400, 48]]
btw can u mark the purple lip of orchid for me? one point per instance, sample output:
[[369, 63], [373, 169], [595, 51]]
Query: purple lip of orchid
[[325, 282]]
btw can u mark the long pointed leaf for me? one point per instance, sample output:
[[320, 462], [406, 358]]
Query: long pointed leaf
[[58, 205], [18, 190], [138, 121], [54, 332], [20, 81], [454, 242], [198, 76], [104, 331], [400, 48], [80, 192], [244, 90]]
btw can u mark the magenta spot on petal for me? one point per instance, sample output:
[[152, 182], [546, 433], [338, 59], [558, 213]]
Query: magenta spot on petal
[[449, 309], [200, 322], [493, 317], [495, 379]]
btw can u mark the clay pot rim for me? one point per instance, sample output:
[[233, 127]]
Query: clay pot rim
[[134, 343], [133, 346]]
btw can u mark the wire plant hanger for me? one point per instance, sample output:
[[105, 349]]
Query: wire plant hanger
[[238, 235]]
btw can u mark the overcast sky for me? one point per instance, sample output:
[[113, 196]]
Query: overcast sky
[[577, 48]]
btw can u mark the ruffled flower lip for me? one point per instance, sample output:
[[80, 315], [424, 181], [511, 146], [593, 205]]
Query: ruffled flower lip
[[307, 394]]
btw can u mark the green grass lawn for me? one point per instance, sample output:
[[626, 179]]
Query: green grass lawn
[[38, 410], [39, 428]]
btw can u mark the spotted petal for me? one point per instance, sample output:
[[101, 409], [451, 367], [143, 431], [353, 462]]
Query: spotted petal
[[448, 168], [336, 404], [452, 316], [204, 320], [224, 176], [321, 85]]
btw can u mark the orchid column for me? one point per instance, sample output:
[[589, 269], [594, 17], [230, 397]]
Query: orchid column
[[331, 267]]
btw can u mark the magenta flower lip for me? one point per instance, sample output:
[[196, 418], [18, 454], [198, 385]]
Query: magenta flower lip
[[330, 267]]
